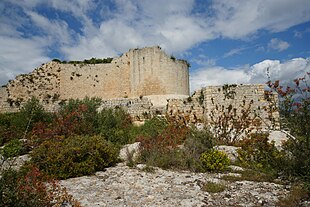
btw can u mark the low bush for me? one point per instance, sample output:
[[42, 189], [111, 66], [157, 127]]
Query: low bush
[[257, 153], [76, 117], [164, 150], [175, 148], [18, 125], [74, 156], [213, 187], [31, 188], [214, 160], [12, 149], [151, 128], [115, 125], [197, 142]]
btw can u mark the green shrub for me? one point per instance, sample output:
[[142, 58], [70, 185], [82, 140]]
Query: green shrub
[[31, 188], [175, 147], [152, 127], [12, 149], [18, 125], [33, 112], [257, 153], [197, 142], [295, 113], [115, 125], [74, 156], [9, 128], [164, 150], [214, 160], [213, 187]]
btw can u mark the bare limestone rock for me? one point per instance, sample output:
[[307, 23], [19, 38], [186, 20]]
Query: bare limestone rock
[[130, 151], [14, 163], [124, 186], [230, 151], [278, 137]]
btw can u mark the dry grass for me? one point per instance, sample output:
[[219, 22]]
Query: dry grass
[[213, 187], [296, 195]]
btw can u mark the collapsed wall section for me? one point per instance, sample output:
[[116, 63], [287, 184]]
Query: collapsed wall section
[[42, 83], [229, 106], [4, 104], [188, 111], [140, 109], [246, 104]]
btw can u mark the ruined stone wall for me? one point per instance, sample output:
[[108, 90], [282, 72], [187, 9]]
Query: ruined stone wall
[[188, 111], [94, 80], [139, 72], [245, 103], [140, 109], [4, 105]]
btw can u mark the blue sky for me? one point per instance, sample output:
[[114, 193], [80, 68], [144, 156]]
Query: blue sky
[[224, 41]]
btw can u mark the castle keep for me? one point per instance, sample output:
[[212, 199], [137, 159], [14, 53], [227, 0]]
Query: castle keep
[[143, 81]]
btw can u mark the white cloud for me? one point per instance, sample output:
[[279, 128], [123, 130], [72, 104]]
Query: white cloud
[[234, 51], [277, 44], [25, 54], [238, 19], [258, 73], [217, 76], [130, 24]]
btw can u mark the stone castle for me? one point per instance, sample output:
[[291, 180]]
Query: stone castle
[[145, 82]]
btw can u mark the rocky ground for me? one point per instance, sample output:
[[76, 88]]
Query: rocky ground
[[124, 186]]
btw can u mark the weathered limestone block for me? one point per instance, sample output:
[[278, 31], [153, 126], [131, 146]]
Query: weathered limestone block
[[130, 151]]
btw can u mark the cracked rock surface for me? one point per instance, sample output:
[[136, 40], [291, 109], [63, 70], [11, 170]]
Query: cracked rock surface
[[124, 186]]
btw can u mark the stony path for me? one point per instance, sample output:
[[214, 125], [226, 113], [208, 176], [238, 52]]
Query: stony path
[[124, 186]]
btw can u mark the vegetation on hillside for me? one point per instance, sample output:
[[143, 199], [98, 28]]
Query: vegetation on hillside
[[86, 61], [78, 140]]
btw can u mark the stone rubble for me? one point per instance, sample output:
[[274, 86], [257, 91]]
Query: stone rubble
[[13, 163], [124, 186]]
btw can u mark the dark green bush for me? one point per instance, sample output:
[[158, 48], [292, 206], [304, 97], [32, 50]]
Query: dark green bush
[[18, 125], [33, 112], [152, 127], [9, 128], [257, 153], [115, 125], [24, 189], [197, 142], [74, 156], [12, 149], [295, 113], [175, 147], [214, 160]]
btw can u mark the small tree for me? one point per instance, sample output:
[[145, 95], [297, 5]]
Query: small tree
[[295, 112]]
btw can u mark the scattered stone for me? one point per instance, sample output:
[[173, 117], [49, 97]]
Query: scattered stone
[[235, 168], [14, 163], [230, 151], [130, 151], [278, 137]]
